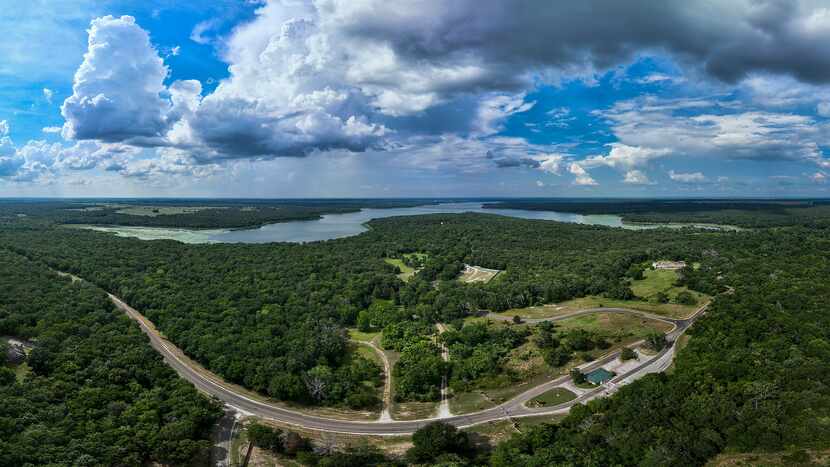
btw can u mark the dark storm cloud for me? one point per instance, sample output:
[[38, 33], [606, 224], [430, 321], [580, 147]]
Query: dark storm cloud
[[728, 38]]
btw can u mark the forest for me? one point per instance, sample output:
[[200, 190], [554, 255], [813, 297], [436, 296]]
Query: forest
[[191, 214], [741, 213], [96, 392], [753, 376], [264, 316]]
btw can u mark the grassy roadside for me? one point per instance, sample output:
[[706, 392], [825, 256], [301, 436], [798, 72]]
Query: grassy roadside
[[552, 398], [529, 368], [670, 310]]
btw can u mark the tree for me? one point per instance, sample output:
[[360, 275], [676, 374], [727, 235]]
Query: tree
[[364, 321], [318, 381], [578, 376], [656, 341], [517, 319], [661, 297], [7, 376], [266, 437], [294, 443], [685, 298], [556, 357], [628, 354], [436, 439]]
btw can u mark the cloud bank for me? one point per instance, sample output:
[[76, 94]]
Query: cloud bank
[[433, 84]]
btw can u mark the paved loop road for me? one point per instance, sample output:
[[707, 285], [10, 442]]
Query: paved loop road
[[214, 386]]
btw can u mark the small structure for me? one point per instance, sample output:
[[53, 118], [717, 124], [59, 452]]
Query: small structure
[[599, 376], [668, 264]]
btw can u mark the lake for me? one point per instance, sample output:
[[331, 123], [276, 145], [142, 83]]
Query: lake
[[331, 226]]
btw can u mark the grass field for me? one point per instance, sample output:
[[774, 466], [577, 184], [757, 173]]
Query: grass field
[[406, 271], [617, 326], [359, 336], [413, 410], [661, 280], [654, 281], [20, 371], [672, 310], [646, 289], [529, 369], [553, 397], [489, 434], [800, 458]]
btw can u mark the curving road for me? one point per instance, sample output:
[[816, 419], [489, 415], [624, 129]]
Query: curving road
[[214, 386]]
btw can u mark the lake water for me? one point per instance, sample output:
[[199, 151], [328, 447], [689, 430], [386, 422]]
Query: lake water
[[332, 226]]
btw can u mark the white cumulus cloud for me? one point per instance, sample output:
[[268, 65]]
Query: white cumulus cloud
[[117, 90], [582, 177], [693, 177], [636, 177]]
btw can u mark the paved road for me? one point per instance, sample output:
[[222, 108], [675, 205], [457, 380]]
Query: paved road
[[212, 385]]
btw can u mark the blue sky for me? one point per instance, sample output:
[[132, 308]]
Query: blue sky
[[362, 98]]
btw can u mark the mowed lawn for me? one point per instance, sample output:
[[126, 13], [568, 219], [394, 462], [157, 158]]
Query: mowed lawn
[[661, 280], [406, 271], [617, 326], [552, 398], [671, 310], [529, 368], [646, 289], [360, 336]]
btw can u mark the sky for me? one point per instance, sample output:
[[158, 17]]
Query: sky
[[415, 98]]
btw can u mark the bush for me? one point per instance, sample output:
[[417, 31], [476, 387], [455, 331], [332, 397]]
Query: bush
[[266, 437], [685, 298], [656, 341], [556, 357], [578, 376], [437, 439]]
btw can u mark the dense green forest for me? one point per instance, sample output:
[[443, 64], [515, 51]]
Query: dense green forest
[[194, 214], [97, 393], [742, 213], [265, 315], [753, 377]]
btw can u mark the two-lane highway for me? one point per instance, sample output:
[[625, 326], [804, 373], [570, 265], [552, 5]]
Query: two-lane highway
[[213, 385]]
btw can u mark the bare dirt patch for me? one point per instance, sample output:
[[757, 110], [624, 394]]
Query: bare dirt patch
[[472, 274]]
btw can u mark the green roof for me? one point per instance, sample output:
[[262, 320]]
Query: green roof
[[599, 376]]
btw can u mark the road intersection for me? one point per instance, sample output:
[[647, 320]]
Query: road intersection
[[212, 385]]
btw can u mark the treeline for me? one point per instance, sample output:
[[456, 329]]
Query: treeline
[[97, 394], [265, 316], [754, 376], [742, 213], [211, 214]]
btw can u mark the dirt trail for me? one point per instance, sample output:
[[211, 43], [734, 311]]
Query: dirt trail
[[385, 414], [444, 406], [247, 403]]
